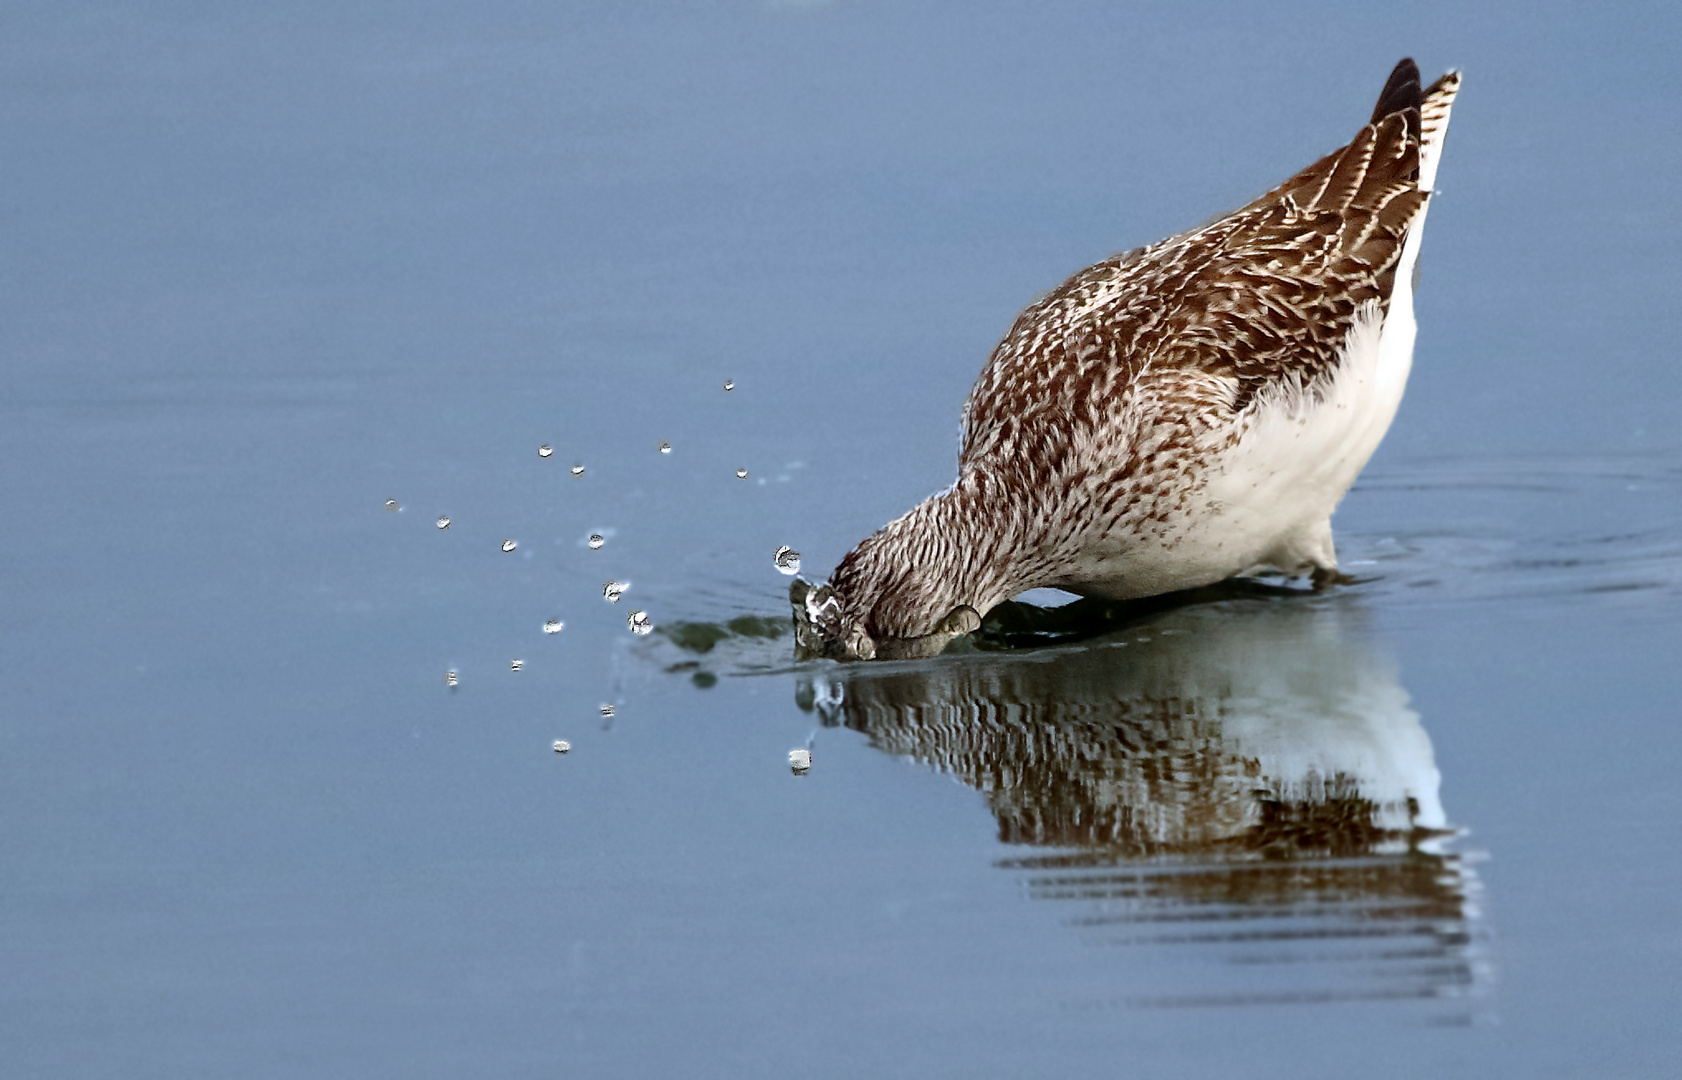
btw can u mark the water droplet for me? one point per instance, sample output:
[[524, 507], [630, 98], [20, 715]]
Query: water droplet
[[665, 447], [787, 560], [578, 470], [443, 522], [638, 622], [612, 590], [800, 761], [516, 665], [741, 474], [561, 746], [607, 710], [391, 506], [545, 450], [553, 626], [596, 541], [509, 545], [451, 678], [729, 384]]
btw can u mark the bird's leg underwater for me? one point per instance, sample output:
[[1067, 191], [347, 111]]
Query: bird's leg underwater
[[1324, 577]]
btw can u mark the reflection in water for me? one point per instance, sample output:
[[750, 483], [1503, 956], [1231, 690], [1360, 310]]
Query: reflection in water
[[1241, 775]]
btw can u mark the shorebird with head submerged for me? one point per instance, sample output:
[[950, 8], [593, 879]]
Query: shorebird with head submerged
[[1185, 413]]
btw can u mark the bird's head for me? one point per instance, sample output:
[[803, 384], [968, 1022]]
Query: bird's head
[[827, 627]]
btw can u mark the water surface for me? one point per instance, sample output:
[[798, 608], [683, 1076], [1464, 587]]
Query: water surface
[[267, 269]]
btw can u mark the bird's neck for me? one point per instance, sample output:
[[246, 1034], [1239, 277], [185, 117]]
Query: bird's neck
[[964, 546]]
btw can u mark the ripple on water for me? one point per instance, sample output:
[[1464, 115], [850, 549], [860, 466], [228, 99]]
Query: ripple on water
[[1519, 531]]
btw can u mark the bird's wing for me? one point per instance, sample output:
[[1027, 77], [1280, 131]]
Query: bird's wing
[[1267, 292]]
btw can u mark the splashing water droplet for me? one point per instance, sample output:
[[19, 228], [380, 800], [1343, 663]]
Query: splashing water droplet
[[787, 560], [800, 761], [509, 545], [665, 447], [516, 665], [545, 450], [553, 626], [451, 678], [729, 384], [578, 470], [638, 622], [392, 506], [443, 522], [561, 746], [596, 541], [613, 590], [741, 474], [607, 710]]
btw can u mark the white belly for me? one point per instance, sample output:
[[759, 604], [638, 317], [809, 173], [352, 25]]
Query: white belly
[[1266, 500]]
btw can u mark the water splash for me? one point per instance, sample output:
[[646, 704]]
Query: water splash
[[613, 590], [638, 622], [787, 560], [553, 626]]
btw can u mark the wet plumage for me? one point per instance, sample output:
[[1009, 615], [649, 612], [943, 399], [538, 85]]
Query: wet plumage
[[1174, 416]]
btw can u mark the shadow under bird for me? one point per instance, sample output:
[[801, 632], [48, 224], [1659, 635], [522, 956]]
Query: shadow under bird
[[1182, 414]]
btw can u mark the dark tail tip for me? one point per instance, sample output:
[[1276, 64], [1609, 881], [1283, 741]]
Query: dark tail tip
[[1401, 92]]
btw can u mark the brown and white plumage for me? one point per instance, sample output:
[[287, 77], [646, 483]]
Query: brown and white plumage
[[1173, 416]]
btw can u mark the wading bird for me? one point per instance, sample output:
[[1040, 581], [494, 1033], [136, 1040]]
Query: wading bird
[[1185, 413]]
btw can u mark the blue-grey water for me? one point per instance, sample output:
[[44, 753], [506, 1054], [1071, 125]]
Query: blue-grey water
[[265, 267]]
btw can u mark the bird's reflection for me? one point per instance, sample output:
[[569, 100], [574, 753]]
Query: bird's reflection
[[1244, 775]]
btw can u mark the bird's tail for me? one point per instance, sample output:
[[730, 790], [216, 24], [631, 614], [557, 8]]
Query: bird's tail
[[1434, 108]]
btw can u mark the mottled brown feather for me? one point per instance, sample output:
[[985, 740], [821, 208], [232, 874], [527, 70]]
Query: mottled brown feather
[[1268, 291]]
